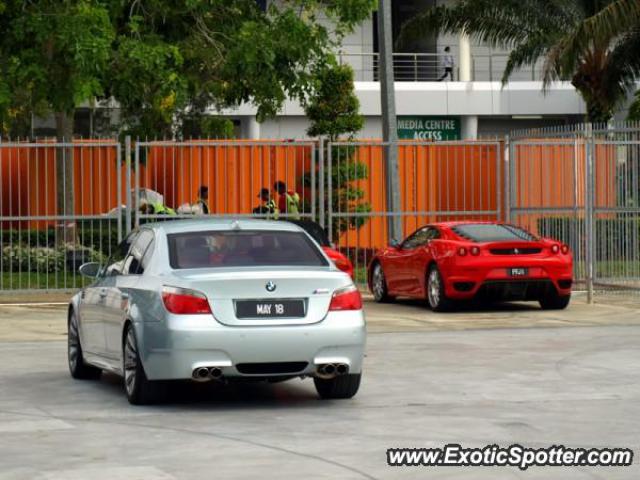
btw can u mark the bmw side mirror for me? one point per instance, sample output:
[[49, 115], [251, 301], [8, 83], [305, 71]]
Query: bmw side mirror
[[90, 269]]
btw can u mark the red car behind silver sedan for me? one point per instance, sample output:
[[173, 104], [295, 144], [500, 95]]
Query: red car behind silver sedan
[[449, 261]]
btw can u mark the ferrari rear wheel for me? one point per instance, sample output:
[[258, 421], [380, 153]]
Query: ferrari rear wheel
[[436, 296], [553, 301], [379, 285]]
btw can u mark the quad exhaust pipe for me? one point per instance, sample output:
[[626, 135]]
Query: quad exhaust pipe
[[331, 370], [205, 374]]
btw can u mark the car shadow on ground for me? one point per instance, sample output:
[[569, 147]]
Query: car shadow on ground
[[475, 306], [234, 395]]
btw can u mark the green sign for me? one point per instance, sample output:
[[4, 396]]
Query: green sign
[[428, 128]]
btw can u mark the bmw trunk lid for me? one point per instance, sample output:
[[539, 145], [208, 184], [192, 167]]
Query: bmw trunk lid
[[266, 296]]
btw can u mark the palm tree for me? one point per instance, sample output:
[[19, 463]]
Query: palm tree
[[595, 44]]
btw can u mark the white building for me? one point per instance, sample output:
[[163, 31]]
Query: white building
[[476, 104]]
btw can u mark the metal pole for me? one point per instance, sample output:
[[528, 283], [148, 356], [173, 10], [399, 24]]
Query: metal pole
[[389, 126], [507, 179], [127, 159], [321, 181], [588, 214]]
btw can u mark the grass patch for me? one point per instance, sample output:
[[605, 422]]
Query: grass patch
[[41, 281]]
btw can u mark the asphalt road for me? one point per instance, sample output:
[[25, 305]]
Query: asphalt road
[[505, 375]]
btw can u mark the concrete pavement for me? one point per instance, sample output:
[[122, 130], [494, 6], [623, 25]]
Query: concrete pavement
[[468, 378]]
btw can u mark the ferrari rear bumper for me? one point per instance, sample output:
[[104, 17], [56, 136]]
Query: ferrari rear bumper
[[537, 280]]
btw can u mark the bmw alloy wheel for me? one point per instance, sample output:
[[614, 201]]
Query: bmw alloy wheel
[[73, 343], [77, 366], [130, 362]]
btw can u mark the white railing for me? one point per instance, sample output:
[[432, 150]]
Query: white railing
[[429, 67]]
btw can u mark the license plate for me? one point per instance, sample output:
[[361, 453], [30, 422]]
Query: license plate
[[518, 272], [270, 308]]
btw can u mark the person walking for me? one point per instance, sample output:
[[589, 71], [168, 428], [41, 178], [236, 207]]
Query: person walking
[[288, 201], [447, 63], [267, 206]]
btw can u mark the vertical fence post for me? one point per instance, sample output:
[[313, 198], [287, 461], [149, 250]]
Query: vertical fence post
[[589, 210], [330, 191], [321, 181], [314, 173], [506, 186], [136, 198], [119, 188], [127, 160]]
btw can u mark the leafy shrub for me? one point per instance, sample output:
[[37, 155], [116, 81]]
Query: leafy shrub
[[24, 258]]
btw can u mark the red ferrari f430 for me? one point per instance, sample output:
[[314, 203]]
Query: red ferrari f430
[[449, 261]]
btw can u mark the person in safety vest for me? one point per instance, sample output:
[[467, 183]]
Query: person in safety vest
[[203, 199], [156, 208], [268, 205], [288, 201]]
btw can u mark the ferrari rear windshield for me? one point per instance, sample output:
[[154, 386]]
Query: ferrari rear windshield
[[490, 232], [258, 248]]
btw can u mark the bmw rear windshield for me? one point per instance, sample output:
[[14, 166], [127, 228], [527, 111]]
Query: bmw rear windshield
[[247, 248], [491, 232]]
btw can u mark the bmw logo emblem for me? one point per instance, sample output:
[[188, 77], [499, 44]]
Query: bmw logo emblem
[[270, 286]]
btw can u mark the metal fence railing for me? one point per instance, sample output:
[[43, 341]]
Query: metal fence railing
[[65, 203], [581, 185], [234, 173], [439, 181], [60, 206]]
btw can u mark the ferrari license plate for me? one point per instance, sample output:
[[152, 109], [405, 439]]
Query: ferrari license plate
[[518, 272], [270, 308]]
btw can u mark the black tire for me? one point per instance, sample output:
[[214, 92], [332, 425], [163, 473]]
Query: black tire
[[139, 389], [379, 285], [552, 301], [77, 366], [343, 386], [436, 296]]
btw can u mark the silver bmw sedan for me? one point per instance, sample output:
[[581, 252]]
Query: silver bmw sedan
[[217, 300]]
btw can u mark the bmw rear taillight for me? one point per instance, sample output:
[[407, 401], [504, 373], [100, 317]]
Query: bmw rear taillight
[[564, 249], [347, 298], [462, 251], [183, 301]]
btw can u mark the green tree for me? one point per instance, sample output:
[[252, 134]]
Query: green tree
[[161, 58], [333, 111], [574, 37]]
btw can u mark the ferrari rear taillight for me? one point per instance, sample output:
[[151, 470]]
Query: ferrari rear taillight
[[555, 248], [475, 251], [564, 249], [462, 251], [183, 301], [347, 298], [343, 264]]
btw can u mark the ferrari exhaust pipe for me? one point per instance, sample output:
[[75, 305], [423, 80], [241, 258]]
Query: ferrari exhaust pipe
[[342, 369], [215, 372]]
